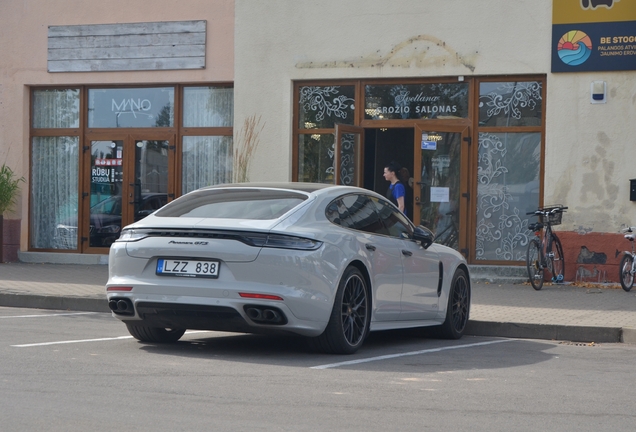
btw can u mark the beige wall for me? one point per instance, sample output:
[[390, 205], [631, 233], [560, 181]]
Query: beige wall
[[588, 164], [23, 59]]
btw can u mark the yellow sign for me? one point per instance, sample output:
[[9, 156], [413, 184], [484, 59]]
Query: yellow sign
[[592, 11]]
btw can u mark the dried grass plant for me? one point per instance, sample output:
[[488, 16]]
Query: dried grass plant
[[245, 147]]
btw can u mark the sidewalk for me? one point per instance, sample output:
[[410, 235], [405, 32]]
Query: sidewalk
[[560, 312]]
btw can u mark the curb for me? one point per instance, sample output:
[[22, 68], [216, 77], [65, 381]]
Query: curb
[[548, 332], [473, 328], [85, 304]]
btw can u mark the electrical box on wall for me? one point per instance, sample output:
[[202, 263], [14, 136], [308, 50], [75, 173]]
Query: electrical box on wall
[[632, 190], [598, 92]]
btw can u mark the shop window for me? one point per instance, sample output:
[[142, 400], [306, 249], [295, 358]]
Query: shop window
[[208, 107], [207, 160], [131, 107], [508, 187], [321, 107], [315, 158], [505, 104], [56, 108], [54, 192]]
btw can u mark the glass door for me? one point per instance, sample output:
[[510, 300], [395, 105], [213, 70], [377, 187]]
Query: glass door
[[440, 192], [130, 177], [348, 155], [106, 190]]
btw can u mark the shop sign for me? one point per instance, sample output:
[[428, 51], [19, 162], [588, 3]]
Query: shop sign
[[131, 107], [593, 35], [416, 101], [108, 162], [105, 175]]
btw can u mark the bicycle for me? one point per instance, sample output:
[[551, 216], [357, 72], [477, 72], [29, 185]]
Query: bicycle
[[627, 268], [545, 252]]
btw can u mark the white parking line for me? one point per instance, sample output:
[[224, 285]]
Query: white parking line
[[49, 315], [87, 340], [411, 353]]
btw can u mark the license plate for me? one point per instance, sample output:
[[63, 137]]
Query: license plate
[[188, 268]]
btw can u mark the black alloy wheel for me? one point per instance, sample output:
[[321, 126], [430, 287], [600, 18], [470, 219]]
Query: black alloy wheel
[[458, 308], [350, 317]]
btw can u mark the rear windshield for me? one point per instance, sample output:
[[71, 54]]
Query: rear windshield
[[256, 204]]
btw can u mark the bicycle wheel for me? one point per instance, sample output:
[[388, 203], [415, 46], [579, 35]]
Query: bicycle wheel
[[626, 276], [533, 262], [558, 263]]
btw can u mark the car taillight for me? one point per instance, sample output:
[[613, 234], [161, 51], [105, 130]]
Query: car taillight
[[281, 241], [130, 235]]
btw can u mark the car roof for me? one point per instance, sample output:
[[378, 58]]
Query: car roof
[[310, 188]]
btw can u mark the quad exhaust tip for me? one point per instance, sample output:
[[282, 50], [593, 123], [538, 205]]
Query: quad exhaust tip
[[265, 315], [121, 306]]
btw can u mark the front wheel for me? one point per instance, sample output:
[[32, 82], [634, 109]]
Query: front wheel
[[533, 263], [350, 317], [626, 276], [458, 307], [155, 334], [558, 263]]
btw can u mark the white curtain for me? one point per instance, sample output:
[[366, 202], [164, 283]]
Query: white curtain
[[207, 160], [56, 108], [54, 192], [208, 107]]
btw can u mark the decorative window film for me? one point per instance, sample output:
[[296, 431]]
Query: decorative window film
[[131, 107], [207, 160], [323, 107], [347, 158], [59, 108], [415, 101], [208, 107], [54, 186], [510, 104], [315, 158], [508, 187]]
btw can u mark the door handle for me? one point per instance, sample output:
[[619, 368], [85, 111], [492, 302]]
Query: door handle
[[406, 253], [370, 247]]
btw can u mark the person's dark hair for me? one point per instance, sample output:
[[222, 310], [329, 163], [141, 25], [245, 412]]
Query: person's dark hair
[[393, 167]]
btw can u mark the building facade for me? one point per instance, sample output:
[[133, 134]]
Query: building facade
[[119, 108], [109, 110], [464, 97]]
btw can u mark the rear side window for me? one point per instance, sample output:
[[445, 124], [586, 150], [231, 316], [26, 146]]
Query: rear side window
[[355, 212], [234, 203]]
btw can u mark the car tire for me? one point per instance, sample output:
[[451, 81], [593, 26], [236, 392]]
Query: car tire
[[155, 334], [350, 318], [458, 307]]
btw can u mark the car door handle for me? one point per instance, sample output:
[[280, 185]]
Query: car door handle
[[370, 247], [406, 253]]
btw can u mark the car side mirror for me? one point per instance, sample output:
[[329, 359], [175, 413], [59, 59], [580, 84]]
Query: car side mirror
[[423, 235]]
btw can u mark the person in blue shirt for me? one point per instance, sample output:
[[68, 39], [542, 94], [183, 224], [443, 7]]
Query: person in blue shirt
[[396, 191]]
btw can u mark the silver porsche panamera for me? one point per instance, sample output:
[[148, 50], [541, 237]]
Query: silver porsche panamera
[[331, 263]]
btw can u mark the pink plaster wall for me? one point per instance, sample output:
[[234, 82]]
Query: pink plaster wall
[[23, 61], [592, 257]]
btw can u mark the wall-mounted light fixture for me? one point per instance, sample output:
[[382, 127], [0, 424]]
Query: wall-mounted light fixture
[[598, 92]]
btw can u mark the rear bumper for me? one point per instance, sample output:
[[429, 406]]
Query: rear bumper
[[213, 314]]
